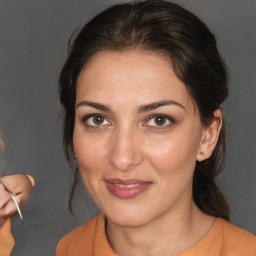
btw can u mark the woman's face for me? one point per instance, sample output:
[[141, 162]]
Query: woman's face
[[137, 135]]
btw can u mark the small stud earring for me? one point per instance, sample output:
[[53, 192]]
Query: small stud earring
[[75, 157], [202, 153]]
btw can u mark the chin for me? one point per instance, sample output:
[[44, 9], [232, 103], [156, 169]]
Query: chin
[[128, 222], [129, 218]]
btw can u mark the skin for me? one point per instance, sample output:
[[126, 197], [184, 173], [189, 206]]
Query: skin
[[128, 143], [20, 186]]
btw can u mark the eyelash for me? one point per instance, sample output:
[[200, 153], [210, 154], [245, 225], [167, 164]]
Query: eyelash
[[170, 119], [85, 120]]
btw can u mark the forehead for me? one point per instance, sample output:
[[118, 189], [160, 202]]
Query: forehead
[[133, 77]]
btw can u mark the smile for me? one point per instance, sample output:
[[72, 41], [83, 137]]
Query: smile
[[127, 186], [126, 189]]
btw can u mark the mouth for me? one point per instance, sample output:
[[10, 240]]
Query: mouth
[[127, 189]]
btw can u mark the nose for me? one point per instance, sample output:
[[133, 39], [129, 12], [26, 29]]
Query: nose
[[125, 153]]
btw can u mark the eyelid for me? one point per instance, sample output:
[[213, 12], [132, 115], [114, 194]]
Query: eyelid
[[169, 118], [86, 117]]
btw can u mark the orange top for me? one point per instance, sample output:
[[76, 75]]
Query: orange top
[[223, 239], [6, 239]]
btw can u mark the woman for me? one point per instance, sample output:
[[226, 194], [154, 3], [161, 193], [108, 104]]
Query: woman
[[142, 90], [20, 186]]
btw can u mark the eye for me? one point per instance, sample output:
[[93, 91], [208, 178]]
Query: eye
[[95, 120], [160, 121]]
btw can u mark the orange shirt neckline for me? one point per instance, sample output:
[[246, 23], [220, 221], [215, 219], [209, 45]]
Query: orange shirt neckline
[[102, 246], [223, 238]]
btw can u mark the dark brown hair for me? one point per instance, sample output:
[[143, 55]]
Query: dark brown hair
[[170, 30]]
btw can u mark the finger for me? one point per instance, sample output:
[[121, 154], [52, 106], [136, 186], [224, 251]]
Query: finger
[[2, 188], [17, 183], [8, 211], [5, 197], [32, 180]]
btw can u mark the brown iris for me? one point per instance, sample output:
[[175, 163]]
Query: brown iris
[[160, 120], [98, 120]]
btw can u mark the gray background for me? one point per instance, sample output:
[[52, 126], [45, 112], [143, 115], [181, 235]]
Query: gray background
[[33, 44]]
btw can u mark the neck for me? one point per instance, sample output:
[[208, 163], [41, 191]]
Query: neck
[[165, 235]]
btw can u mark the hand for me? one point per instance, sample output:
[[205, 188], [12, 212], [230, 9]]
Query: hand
[[7, 207], [20, 186]]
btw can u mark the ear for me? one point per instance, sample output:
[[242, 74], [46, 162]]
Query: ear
[[210, 135]]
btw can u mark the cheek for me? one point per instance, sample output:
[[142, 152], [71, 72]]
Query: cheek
[[89, 155], [87, 147], [173, 154], [89, 160], [165, 157], [87, 151]]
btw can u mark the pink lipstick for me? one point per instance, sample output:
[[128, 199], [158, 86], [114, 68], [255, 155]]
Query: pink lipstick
[[126, 189]]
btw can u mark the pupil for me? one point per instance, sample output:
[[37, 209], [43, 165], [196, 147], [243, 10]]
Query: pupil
[[98, 120], [160, 120]]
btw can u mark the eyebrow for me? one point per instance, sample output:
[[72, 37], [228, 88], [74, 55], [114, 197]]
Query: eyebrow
[[141, 109], [95, 105], [155, 105]]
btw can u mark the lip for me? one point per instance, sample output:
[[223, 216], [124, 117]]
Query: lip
[[127, 189]]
